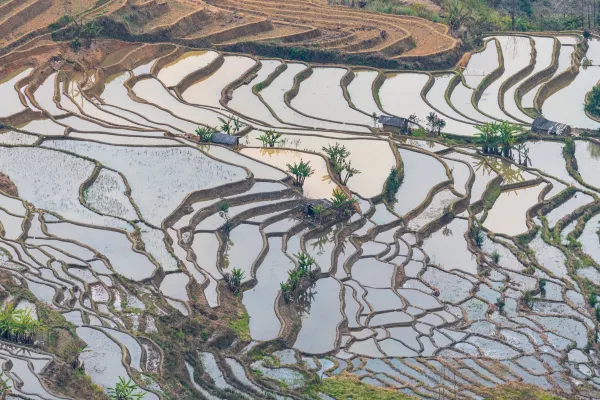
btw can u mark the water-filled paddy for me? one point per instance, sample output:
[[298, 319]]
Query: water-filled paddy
[[134, 229]]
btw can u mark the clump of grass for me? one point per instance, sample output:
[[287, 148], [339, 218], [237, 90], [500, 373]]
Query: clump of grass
[[18, 325], [343, 387], [518, 391], [241, 326], [496, 256]]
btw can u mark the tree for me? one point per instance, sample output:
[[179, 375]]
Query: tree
[[488, 137], [374, 116], [592, 105], [269, 138], [300, 171], [430, 119], [507, 133], [440, 124], [338, 156], [125, 390], [341, 202], [435, 123]]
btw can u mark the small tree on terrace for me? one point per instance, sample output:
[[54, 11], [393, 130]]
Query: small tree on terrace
[[338, 156], [301, 171], [508, 132], [341, 202], [270, 138]]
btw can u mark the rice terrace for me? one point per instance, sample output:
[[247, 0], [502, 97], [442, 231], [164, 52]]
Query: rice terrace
[[311, 199]]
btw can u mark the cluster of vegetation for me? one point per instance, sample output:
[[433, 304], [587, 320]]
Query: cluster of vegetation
[[205, 133], [83, 34], [18, 325], [342, 203], [435, 124], [234, 279], [477, 235], [224, 213], [125, 390], [592, 105], [232, 125], [338, 158], [301, 171], [270, 138], [392, 184], [305, 268], [61, 22], [500, 139]]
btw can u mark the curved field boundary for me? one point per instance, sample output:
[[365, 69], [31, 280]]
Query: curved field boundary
[[542, 75], [245, 78], [346, 80], [562, 80], [517, 77], [21, 16], [198, 75], [183, 26], [454, 82], [428, 87], [488, 80], [293, 92], [139, 56], [225, 35], [169, 58], [309, 32], [400, 45]]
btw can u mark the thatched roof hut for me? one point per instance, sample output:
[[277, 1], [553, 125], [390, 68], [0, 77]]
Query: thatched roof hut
[[223, 138], [542, 125]]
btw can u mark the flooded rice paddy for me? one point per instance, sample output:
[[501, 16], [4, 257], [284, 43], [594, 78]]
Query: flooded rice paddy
[[121, 222]]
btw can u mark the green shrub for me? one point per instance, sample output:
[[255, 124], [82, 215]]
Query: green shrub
[[392, 184], [593, 102]]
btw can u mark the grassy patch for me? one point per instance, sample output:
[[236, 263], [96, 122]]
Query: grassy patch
[[241, 326], [344, 387], [518, 392]]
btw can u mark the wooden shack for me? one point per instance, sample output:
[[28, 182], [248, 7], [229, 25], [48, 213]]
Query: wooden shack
[[542, 125], [395, 124]]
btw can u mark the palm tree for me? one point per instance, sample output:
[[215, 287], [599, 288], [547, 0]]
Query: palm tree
[[431, 119], [440, 124], [507, 133], [300, 171], [488, 137]]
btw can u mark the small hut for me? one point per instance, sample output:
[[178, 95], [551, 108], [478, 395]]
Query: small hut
[[225, 139], [395, 124], [542, 125]]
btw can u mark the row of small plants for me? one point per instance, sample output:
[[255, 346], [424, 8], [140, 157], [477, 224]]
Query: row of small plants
[[231, 126]]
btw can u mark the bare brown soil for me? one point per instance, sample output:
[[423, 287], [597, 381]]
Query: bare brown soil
[[7, 186]]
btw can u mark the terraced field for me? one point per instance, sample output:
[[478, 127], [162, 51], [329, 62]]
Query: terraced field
[[118, 227], [225, 22]]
